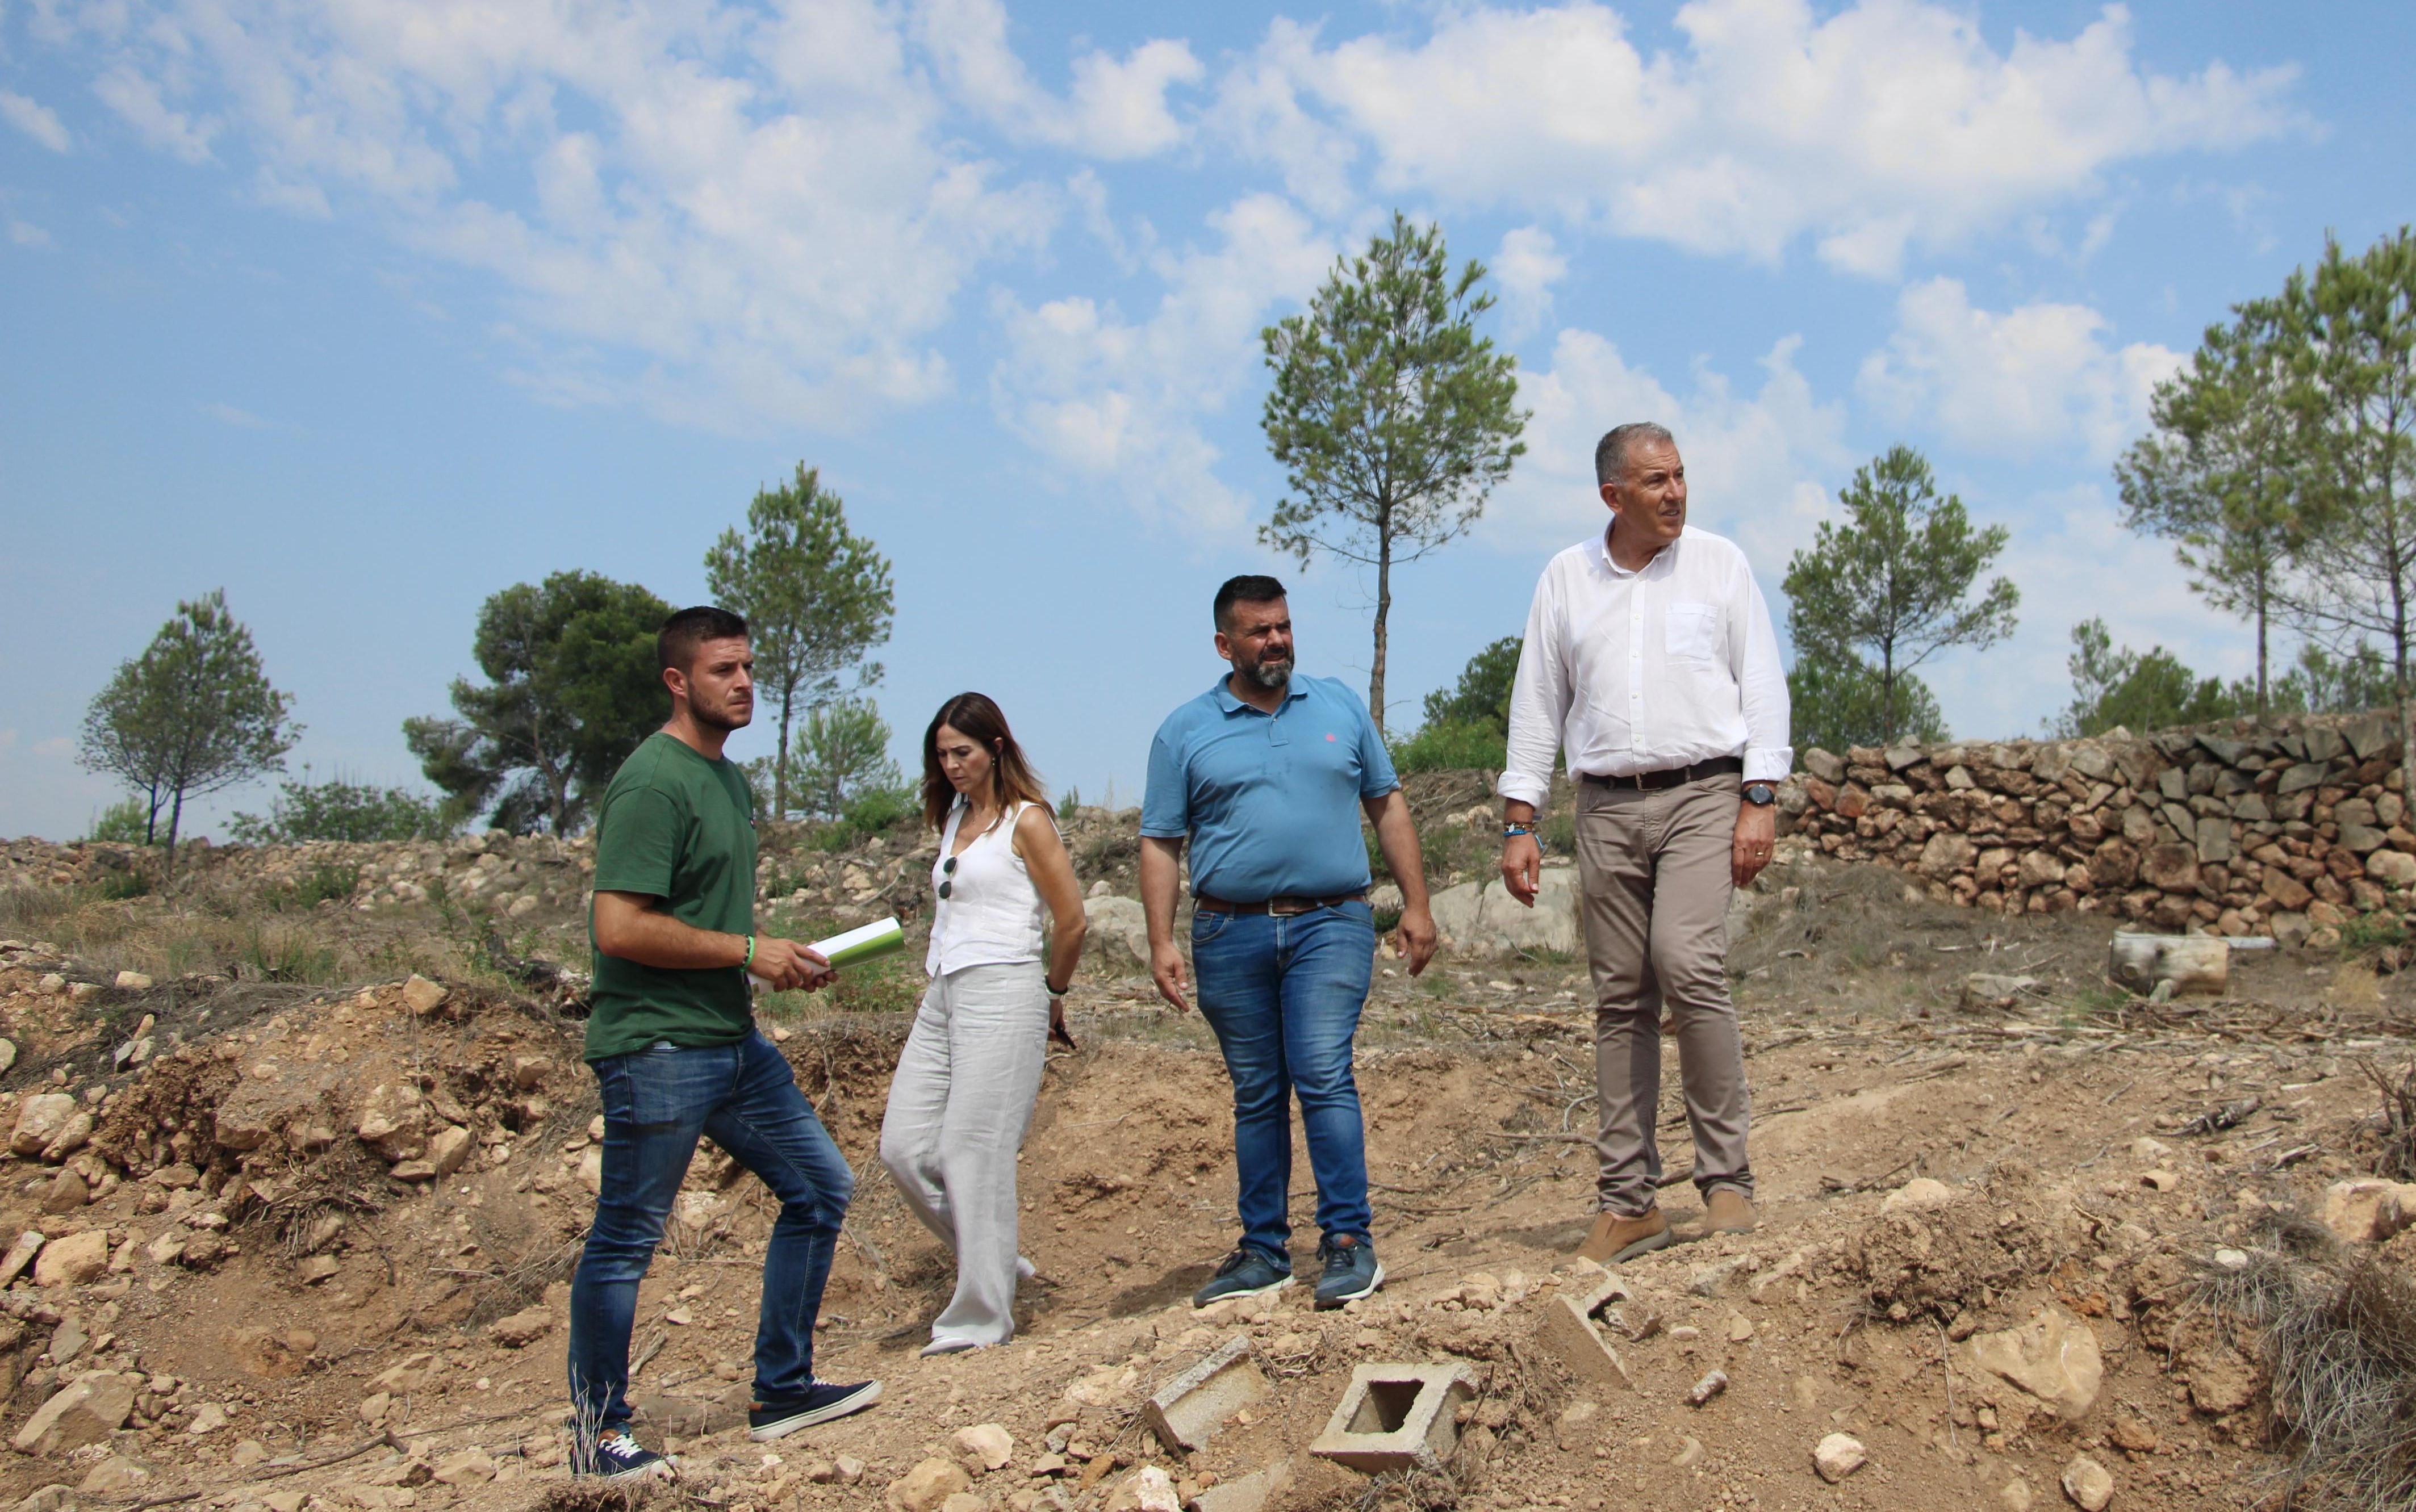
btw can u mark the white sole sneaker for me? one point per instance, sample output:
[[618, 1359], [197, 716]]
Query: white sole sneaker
[[1327, 1304], [854, 1401], [1255, 1291]]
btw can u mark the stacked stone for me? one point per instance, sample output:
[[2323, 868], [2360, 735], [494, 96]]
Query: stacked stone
[[2237, 829]]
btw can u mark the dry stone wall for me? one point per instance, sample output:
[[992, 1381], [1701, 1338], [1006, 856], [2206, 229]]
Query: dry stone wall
[[2238, 828]]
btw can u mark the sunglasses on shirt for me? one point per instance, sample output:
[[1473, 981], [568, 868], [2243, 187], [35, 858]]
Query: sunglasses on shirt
[[948, 877]]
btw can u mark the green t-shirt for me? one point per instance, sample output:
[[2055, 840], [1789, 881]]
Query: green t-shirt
[[677, 825]]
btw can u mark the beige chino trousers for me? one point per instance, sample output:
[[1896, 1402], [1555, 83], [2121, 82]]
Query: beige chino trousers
[[1654, 868]]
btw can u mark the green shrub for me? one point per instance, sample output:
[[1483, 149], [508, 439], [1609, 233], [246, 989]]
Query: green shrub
[[119, 886], [2368, 929], [326, 880], [1448, 746], [124, 823], [288, 954], [876, 809], [1559, 833], [340, 810], [870, 812]]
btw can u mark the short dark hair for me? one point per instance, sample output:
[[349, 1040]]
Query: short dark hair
[[1611, 453], [675, 644], [1250, 588]]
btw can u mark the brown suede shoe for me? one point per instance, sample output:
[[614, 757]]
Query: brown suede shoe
[[1615, 1239], [1727, 1212]]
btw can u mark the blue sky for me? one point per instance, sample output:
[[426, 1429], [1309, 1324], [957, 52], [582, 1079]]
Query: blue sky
[[365, 310]]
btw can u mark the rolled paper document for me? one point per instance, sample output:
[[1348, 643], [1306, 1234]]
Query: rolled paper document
[[867, 942]]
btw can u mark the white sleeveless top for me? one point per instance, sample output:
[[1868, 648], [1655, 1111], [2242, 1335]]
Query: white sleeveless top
[[991, 916]]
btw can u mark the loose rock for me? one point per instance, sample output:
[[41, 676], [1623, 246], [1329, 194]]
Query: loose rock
[[987, 1445], [95, 1405], [2089, 1484], [2054, 1357], [72, 1260], [522, 1329], [929, 1484], [39, 1119], [1838, 1455], [1921, 1191]]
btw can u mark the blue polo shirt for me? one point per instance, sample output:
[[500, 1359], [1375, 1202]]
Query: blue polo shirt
[[1270, 802]]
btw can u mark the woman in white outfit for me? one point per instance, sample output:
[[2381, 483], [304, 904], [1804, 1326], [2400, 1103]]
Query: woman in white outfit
[[966, 1081]]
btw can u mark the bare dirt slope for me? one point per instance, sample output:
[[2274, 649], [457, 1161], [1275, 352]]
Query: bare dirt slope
[[320, 1237]]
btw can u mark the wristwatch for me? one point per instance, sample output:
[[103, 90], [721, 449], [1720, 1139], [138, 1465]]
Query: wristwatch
[[1760, 795]]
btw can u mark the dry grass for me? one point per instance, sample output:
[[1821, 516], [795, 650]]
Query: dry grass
[[2397, 1159], [2339, 1341], [282, 936]]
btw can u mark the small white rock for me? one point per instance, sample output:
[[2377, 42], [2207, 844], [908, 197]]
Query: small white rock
[[1921, 1191], [2231, 1259], [1838, 1455], [2089, 1484]]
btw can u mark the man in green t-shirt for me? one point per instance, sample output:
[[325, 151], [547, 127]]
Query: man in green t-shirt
[[673, 1041]]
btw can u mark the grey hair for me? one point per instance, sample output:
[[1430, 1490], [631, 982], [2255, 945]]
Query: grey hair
[[1611, 453]]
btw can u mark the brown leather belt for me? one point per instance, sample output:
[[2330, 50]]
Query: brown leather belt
[[1279, 907], [1648, 782]]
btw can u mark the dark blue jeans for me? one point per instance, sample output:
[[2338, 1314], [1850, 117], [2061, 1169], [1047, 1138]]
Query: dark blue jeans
[[1283, 994], [657, 1103]]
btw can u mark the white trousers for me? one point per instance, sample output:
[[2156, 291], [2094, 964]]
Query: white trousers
[[958, 1108]]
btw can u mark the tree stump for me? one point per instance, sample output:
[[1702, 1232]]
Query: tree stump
[[2192, 963]]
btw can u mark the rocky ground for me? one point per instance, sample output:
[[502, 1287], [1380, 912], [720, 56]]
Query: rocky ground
[[309, 1178]]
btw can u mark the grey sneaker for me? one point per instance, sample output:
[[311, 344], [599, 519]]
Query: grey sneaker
[[1351, 1270], [1246, 1272]]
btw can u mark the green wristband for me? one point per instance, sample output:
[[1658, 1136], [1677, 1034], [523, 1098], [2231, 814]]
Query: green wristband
[[750, 952]]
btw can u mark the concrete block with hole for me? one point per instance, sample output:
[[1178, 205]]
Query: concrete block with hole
[[1568, 1328], [1397, 1417], [1186, 1411]]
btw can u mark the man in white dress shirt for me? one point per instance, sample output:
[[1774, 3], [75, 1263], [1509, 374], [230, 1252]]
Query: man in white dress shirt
[[1650, 659]]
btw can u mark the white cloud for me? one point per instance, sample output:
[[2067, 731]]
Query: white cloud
[[1887, 124], [25, 233], [1260, 113], [1118, 404], [227, 414], [56, 747], [1527, 264], [1753, 462], [1117, 108], [2072, 559], [137, 101], [34, 119], [2037, 377], [733, 216]]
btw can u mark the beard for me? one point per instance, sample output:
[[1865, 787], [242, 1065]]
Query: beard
[[1271, 674], [727, 716]]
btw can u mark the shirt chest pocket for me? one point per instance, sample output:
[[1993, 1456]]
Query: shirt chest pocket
[[1692, 633]]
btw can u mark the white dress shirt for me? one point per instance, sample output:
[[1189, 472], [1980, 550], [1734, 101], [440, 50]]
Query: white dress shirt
[[1640, 671]]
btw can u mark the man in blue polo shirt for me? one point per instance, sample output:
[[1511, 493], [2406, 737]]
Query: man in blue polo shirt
[[1266, 774]]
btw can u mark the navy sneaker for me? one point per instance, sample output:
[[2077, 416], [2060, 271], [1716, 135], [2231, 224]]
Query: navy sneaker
[[822, 1401], [1351, 1270], [1249, 1271], [616, 1456]]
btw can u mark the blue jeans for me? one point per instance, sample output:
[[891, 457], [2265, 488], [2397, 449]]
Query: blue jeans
[[1283, 993], [657, 1103]]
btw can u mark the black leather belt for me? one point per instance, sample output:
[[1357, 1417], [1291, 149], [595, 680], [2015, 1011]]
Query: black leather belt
[[1280, 907], [1647, 781]]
